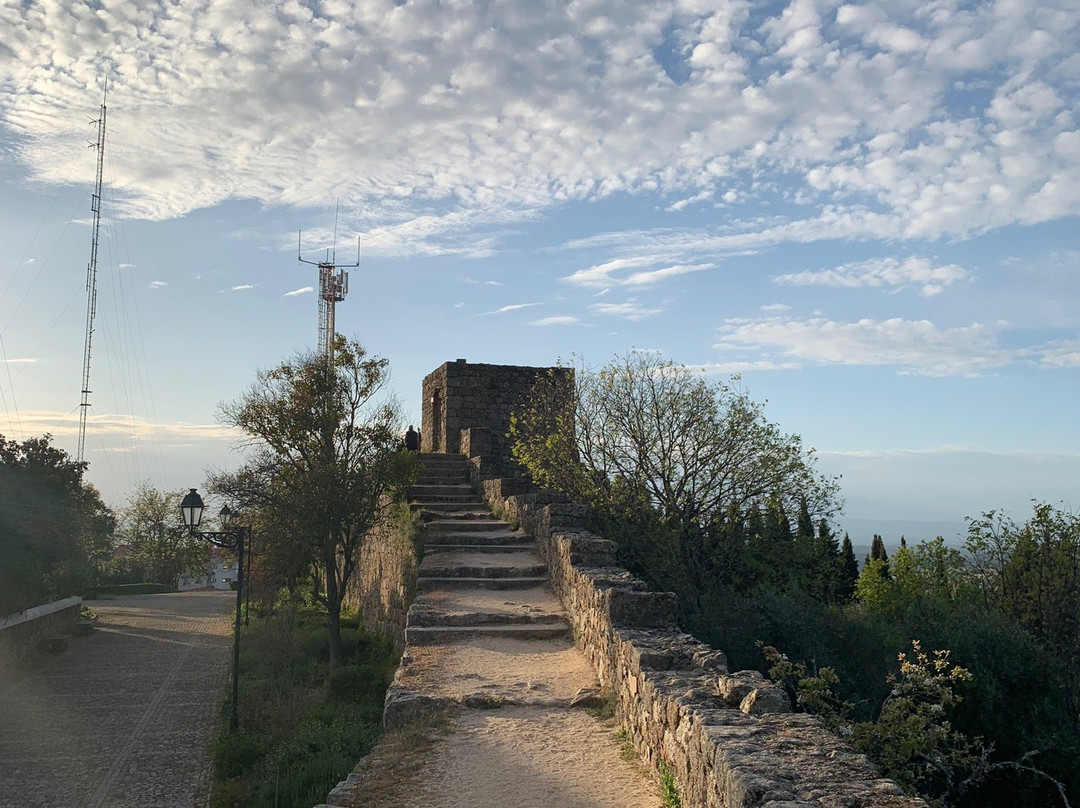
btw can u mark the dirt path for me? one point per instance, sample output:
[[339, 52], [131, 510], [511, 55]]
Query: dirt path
[[124, 716]]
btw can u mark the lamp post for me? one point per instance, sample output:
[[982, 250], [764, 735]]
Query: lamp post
[[229, 538]]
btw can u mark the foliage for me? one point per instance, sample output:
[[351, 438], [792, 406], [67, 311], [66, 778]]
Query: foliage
[[303, 724], [159, 544], [324, 468], [1031, 572], [913, 739], [669, 789], [54, 528], [757, 563], [690, 478], [644, 428]]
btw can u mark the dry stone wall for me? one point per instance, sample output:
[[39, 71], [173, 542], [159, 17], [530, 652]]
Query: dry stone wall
[[730, 738], [384, 584]]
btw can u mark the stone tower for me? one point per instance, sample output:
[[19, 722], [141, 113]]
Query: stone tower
[[467, 408]]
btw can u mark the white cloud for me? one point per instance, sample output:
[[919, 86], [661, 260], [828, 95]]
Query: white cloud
[[158, 284], [613, 273], [1062, 354], [512, 307], [561, 319], [913, 346], [878, 272], [244, 287], [22, 361], [713, 368], [441, 127], [303, 290], [105, 425], [631, 310]]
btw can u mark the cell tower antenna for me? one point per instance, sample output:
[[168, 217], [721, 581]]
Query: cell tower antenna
[[91, 274], [333, 286]]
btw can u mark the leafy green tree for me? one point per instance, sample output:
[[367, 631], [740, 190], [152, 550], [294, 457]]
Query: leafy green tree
[[324, 467], [161, 547], [1032, 572], [54, 528], [694, 449]]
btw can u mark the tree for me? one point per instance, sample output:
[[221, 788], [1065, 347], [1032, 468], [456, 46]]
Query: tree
[[54, 527], [324, 467], [160, 545], [1032, 573], [849, 569], [694, 449]]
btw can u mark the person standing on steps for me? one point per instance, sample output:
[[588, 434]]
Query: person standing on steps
[[411, 441]]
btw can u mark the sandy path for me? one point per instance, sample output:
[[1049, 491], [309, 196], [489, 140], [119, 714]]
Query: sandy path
[[521, 757]]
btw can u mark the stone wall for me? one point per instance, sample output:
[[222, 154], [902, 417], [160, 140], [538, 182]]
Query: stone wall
[[461, 396], [384, 584], [23, 634], [729, 738]]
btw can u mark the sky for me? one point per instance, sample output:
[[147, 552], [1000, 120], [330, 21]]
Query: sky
[[868, 211]]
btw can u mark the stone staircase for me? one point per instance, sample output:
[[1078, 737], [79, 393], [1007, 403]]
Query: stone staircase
[[472, 561], [490, 660]]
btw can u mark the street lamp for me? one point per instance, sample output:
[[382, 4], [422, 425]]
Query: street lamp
[[230, 538]]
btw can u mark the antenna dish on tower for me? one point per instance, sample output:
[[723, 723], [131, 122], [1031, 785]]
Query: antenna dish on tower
[[333, 286]]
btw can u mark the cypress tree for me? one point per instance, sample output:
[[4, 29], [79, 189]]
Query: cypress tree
[[849, 568]]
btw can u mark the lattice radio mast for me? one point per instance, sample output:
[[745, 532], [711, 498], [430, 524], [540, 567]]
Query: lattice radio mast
[[91, 276], [333, 286]]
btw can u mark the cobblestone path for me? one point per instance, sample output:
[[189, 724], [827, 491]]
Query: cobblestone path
[[122, 717]]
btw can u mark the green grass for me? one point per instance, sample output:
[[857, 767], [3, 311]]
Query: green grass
[[303, 726], [669, 790]]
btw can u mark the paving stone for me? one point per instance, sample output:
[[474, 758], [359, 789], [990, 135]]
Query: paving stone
[[124, 716]]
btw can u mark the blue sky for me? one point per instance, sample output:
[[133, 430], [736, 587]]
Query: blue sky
[[867, 210]]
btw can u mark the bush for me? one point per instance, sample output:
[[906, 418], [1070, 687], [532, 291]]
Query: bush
[[235, 753], [305, 724]]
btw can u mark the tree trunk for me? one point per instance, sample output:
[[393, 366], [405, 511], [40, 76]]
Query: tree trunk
[[333, 616]]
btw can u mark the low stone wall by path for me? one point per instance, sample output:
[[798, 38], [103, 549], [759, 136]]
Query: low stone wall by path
[[729, 738], [23, 634]]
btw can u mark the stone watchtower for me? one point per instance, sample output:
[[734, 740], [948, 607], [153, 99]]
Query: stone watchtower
[[467, 410]]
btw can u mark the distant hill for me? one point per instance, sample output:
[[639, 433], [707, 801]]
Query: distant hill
[[862, 532]]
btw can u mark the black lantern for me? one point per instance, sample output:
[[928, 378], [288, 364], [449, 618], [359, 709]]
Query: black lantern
[[191, 509]]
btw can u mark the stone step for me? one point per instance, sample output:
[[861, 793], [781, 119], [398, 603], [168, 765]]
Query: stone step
[[443, 461], [478, 520], [429, 499], [432, 584], [438, 568], [429, 618], [422, 490], [441, 509], [443, 479], [437, 635], [479, 540], [490, 547]]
